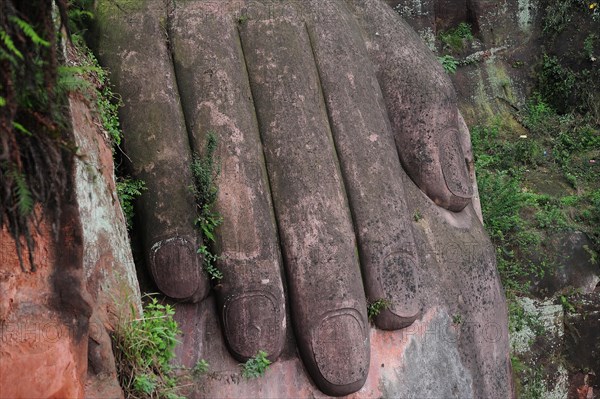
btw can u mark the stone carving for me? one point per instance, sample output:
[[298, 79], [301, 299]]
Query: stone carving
[[321, 107]]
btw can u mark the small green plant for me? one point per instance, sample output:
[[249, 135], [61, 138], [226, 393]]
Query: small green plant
[[455, 38], [457, 319], [566, 304], [88, 78], [209, 263], [208, 221], [143, 350], [243, 18], [201, 367], [588, 46], [256, 366], [127, 191], [449, 63], [205, 172], [145, 383], [417, 216], [376, 307], [72, 79], [593, 254], [107, 101]]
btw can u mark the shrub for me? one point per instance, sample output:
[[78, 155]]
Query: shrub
[[143, 349], [127, 191], [455, 38], [256, 366], [501, 202], [449, 63]]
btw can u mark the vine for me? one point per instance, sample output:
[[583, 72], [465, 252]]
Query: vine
[[205, 190]]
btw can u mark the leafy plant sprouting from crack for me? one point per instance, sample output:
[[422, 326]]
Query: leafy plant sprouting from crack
[[449, 63], [205, 172], [143, 350], [374, 308], [255, 367]]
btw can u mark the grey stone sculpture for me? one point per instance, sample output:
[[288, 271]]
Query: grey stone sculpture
[[321, 107]]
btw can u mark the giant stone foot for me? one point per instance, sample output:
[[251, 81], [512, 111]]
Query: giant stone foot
[[326, 111]]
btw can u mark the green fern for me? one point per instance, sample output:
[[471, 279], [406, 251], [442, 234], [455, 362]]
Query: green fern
[[9, 44], [127, 191], [2, 101], [70, 80], [449, 63], [22, 194], [29, 31]]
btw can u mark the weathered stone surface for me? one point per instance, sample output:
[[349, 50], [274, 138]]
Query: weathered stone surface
[[45, 312], [342, 95], [108, 266], [41, 353], [466, 359], [130, 34], [317, 237], [421, 105], [369, 162], [583, 340], [216, 97], [572, 264]]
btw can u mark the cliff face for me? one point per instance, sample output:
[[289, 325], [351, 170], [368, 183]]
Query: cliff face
[[109, 272], [55, 322], [44, 343], [497, 74]]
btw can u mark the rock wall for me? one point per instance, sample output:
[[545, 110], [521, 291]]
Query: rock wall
[[55, 322], [108, 266], [497, 79], [43, 347]]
